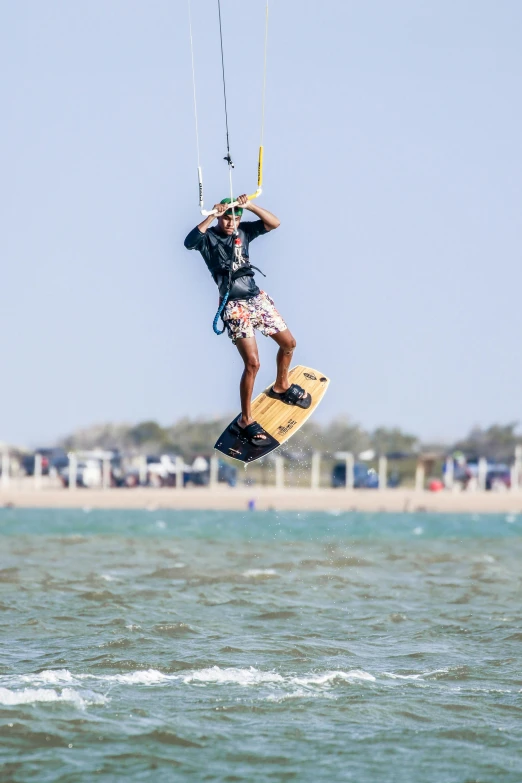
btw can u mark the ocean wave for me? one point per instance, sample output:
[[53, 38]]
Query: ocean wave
[[250, 676], [146, 677], [65, 677], [335, 676], [393, 676], [10, 698], [211, 675], [419, 676], [64, 686], [49, 677]]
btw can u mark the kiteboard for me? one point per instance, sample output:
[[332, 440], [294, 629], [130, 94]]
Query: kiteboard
[[279, 420]]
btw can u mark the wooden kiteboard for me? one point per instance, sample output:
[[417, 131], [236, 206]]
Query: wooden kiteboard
[[277, 418]]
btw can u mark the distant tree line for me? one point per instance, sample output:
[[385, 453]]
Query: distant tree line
[[498, 442], [189, 437]]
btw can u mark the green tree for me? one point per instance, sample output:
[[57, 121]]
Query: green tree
[[342, 434], [386, 441], [146, 432], [497, 442]]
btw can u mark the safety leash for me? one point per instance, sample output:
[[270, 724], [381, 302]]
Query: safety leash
[[225, 299], [222, 306], [219, 314]]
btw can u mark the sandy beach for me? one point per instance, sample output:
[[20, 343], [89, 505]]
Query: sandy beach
[[391, 500]]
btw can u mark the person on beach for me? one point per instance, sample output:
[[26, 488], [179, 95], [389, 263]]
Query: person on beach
[[225, 249]]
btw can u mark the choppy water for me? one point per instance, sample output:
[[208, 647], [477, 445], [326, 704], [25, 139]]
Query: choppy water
[[172, 646]]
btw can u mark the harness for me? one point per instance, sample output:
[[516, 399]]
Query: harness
[[245, 270]]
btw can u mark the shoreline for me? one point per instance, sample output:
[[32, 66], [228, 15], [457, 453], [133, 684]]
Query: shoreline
[[267, 498]]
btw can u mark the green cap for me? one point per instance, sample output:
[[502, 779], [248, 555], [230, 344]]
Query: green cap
[[238, 211]]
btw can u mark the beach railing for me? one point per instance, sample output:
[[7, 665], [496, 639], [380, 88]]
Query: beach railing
[[276, 472], [420, 477], [383, 472]]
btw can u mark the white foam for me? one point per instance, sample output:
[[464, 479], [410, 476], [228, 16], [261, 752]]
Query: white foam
[[330, 677], [253, 572], [491, 690], [245, 677], [64, 677], [248, 676], [418, 531], [393, 676], [49, 677], [38, 695], [420, 676], [146, 677]]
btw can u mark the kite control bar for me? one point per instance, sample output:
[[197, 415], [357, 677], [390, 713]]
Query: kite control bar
[[209, 212]]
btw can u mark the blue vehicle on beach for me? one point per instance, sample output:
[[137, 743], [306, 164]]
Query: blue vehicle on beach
[[364, 477]]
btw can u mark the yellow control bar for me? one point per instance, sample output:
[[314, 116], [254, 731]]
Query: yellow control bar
[[235, 204], [259, 176]]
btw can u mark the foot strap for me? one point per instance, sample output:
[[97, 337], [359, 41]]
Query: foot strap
[[251, 433], [295, 395]]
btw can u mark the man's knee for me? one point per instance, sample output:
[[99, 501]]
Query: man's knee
[[289, 344], [252, 364]]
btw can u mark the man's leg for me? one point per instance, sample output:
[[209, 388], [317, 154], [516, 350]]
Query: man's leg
[[286, 343], [247, 347]]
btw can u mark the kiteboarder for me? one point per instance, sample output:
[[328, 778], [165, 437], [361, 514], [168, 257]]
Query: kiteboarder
[[244, 307]]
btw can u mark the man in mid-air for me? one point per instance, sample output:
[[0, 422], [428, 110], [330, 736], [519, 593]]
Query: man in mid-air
[[225, 249]]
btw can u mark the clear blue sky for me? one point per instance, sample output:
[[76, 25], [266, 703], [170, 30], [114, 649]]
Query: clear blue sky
[[393, 158]]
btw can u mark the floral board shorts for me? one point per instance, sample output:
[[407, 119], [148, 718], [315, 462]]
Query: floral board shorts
[[242, 316]]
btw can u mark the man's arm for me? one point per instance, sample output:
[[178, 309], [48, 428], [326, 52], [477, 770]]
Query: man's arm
[[269, 221], [196, 236], [194, 239], [205, 225]]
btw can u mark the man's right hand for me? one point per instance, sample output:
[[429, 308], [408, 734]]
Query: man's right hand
[[205, 224]]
